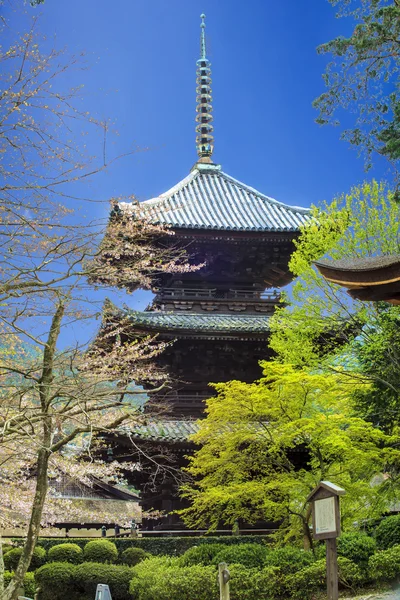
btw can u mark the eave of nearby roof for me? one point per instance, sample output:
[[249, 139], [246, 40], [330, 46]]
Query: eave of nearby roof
[[205, 323], [167, 431], [212, 200]]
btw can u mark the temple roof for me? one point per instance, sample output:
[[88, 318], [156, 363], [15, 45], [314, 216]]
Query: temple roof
[[168, 431], [202, 323], [210, 199]]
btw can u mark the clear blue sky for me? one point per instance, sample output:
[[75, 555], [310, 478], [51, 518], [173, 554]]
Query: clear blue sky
[[141, 58]]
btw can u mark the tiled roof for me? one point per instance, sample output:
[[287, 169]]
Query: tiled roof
[[173, 431], [205, 323], [210, 199]]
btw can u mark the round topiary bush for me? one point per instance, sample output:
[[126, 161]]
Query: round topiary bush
[[88, 575], [11, 559], [71, 553], [56, 582], [356, 546], [133, 556], [29, 582], [289, 559], [387, 534], [249, 555], [200, 555], [100, 551]]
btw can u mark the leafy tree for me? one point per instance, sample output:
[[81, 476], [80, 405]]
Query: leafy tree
[[362, 77], [266, 445], [322, 327], [52, 395]]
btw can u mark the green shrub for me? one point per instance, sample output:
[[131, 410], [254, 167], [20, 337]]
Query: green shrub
[[251, 584], [357, 547], [71, 553], [174, 583], [385, 565], [387, 534], [305, 583], [6, 548], [11, 559], [289, 559], [29, 582], [87, 575], [157, 546], [200, 555], [250, 555], [101, 551], [56, 582], [133, 556]]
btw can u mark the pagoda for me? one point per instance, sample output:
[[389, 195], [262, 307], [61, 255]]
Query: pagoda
[[217, 316]]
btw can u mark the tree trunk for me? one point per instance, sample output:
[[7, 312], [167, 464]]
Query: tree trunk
[[45, 384], [1, 568]]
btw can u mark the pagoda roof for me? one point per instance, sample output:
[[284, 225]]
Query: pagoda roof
[[209, 199], [174, 323]]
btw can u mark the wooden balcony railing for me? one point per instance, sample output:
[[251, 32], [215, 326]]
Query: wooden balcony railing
[[216, 294]]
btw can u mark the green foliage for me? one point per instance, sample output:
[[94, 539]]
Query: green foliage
[[29, 582], [55, 581], [66, 553], [200, 555], [101, 551], [12, 557], [171, 546], [289, 559], [133, 556], [87, 575], [305, 583], [387, 534], [248, 555], [249, 584], [246, 467], [64, 581], [385, 565], [362, 77], [153, 579], [357, 547]]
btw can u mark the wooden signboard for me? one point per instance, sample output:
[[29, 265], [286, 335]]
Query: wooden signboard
[[326, 526]]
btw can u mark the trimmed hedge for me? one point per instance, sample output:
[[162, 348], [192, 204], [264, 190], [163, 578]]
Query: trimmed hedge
[[71, 553], [289, 559], [171, 546], [357, 547], [133, 556], [173, 583], [385, 565], [100, 551], [249, 555], [64, 581], [11, 559], [387, 534], [200, 555], [87, 575], [55, 582]]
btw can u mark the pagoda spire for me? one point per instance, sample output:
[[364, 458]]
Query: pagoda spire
[[204, 128]]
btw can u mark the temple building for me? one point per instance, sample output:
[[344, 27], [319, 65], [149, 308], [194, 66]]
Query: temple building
[[218, 315]]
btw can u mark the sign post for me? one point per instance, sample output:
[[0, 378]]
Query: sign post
[[326, 526]]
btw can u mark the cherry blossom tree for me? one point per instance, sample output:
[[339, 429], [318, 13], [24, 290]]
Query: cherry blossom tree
[[50, 395]]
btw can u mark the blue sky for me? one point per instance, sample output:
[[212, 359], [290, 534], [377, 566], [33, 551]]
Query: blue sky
[[140, 70]]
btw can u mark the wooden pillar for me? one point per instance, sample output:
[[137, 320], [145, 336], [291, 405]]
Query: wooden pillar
[[332, 583]]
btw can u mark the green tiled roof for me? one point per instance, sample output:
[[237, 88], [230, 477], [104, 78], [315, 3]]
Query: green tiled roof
[[204, 323], [168, 431]]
